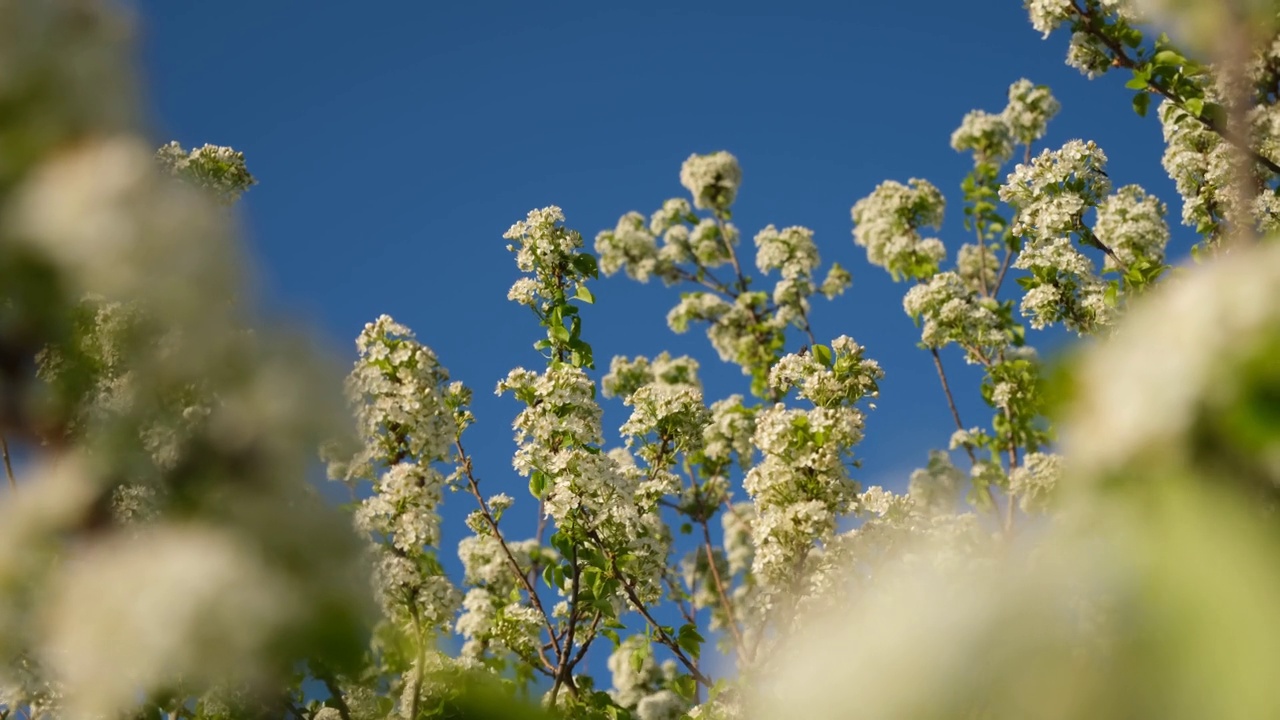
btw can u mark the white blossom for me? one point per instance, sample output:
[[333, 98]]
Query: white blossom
[[713, 180]]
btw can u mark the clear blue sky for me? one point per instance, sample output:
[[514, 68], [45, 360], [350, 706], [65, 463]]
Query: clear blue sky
[[395, 143]]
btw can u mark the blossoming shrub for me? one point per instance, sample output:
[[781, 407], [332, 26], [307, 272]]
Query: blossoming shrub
[[161, 552]]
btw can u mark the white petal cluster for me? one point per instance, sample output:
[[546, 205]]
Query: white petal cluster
[[837, 281], [400, 394], [626, 376], [1178, 361], [1029, 111], [1050, 197], [1047, 15], [888, 222], [636, 674], [632, 246], [849, 378], [209, 604], [952, 312], [219, 170], [988, 136], [709, 242], [1034, 482], [673, 212], [1199, 163], [662, 705], [734, 328], [561, 411], [665, 419], [977, 265], [791, 251], [937, 487], [713, 180], [540, 241], [737, 523], [559, 435], [800, 487], [408, 416], [1132, 224], [1052, 192], [728, 435], [1088, 54], [413, 588]]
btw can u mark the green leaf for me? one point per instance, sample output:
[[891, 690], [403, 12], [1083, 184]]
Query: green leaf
[[585, 263], [822, 354], [585, 295], [537, 484], [690, 640], [1141, 102], [685, 686]]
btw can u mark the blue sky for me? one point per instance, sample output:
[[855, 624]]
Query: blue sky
[[395, 143]]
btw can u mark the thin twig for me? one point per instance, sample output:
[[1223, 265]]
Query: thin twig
[[474, 485], [1004, 268], [663, 636], [1013, 464], [951, 401], [8, 466], [724, 596], [562, 671]]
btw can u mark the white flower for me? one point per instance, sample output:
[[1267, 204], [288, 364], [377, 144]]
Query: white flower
[[888, 222], [713, 180], [1029, 111], [987, 135], [1177, 358]]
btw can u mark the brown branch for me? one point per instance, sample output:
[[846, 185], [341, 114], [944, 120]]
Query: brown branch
[[8, 466], [1004, 268], [474, 486], [724, 596], [1122, 59], [951, 401], [663, 636], [562, 672], [582, 649]]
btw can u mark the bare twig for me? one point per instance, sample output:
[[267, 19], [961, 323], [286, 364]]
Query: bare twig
[[663, 636], [8, 466]]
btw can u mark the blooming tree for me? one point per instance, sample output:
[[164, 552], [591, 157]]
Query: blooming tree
[[161, 552]]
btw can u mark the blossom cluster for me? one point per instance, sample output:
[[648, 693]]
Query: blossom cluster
[[888, 222], [219, 170], [584, 490], [712, 179], [408, 416], [952, 312]]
